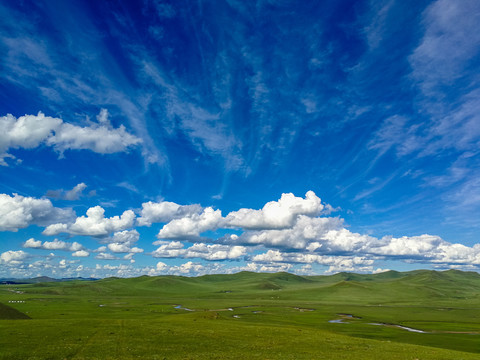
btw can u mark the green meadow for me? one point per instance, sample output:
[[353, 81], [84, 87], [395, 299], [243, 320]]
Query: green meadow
[[410, 315]]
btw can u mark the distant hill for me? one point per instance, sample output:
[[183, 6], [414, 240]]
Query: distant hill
[[391, 287], [40, 279]]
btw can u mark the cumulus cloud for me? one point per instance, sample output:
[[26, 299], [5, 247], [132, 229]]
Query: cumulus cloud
[[187, 268], [301, 234], [334, 263], [31, 131], [18, 212], [293, 232], [122, 242], [94, 224], [192, 226], [276, 214], [176, 249], [32, 243], [415, 246], [25, 132], [161, 266], [55, 229], [73, 194], [165, 211], [100, 139], [105, 256], [126, 237], [305, 231], [123, 248], [52, 245], [81, 253], [189, 222], [13, 258], [361, 251]]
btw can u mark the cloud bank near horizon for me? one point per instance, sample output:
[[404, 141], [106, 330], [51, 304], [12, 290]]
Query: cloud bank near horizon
[[290, 234]]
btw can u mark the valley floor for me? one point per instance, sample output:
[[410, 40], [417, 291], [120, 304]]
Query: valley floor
[[242, 316]]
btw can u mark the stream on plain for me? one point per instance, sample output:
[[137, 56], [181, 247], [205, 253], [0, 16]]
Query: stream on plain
[[349, 316]]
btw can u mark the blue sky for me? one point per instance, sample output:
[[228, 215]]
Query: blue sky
[[196, 137]]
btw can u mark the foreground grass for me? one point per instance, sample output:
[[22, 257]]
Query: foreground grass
[[189, 339], [258, 316]]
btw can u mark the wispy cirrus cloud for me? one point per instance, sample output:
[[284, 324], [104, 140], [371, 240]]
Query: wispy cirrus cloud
[[443, 127], [450, 43], [448, 96], [72, 75]]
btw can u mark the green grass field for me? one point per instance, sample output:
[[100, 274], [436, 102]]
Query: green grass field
[[245, 315]]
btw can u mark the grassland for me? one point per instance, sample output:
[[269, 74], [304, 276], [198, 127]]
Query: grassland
[[245, 315]]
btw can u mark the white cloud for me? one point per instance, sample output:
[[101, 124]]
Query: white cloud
[[81, 253], [343, 240], [32, 243], [122, 242], [355, 264], [161, 266], [275, 267], [18, 212], [30, 131], [55, 229], [362, 251], [13, 258], [118, 248], [305, 231], [123, 248], [105, 256], [276, 256], [94, 224], [100, 139], [76, 192], [192, 225], [165, 211], [126, 237], [334, 263], [169, 244], [25, 132], [187, 268], [276, 214], [52, 245], [175, 249], [215, 252], [59, 245], [423, 245], [301, 235]]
